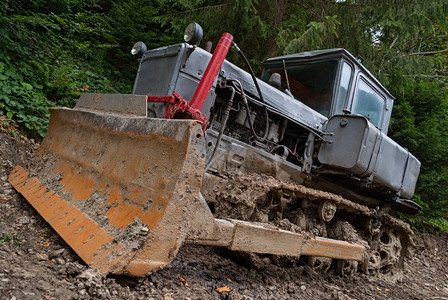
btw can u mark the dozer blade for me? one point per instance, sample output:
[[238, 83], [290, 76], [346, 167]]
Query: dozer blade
[[121, 191]]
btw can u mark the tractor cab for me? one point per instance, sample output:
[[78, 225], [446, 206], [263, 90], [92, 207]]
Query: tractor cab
[[332, 82]]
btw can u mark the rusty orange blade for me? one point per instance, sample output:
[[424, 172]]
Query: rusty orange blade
[[118, 189]]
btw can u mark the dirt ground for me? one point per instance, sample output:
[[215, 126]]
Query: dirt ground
[[35, 263]]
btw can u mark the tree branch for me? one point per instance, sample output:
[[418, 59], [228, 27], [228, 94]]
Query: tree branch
[[344, 3], [394, 41], [429, 52], [416, 75]]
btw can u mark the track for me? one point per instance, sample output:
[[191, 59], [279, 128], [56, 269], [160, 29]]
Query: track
[[261, 198]]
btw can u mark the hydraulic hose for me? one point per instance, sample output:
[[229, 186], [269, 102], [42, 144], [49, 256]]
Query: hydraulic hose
[[266, 125], [246, 104], [223, 126]]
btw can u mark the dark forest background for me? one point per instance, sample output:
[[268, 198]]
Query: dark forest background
[[51, 51]]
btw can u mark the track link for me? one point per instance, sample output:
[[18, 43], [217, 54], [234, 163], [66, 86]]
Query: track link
[[262, 198]]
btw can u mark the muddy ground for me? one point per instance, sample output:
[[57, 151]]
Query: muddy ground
[[36, 264]]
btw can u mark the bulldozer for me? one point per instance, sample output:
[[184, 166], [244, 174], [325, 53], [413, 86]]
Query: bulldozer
[[296, 163]]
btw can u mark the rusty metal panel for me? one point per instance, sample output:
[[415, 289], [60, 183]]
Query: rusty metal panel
[[132, 105], [123, 192], [77, 229], [265, 239], [334, 249]]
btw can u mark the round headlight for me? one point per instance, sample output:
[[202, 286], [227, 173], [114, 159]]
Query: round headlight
[[193, 34], [138, 49]]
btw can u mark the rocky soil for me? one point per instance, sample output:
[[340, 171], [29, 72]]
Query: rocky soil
[[35, 263]]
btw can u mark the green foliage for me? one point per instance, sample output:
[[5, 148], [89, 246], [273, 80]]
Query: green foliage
[[53, 50], [48, 57], [7, 238], [313, 37], [419, 122], [139, 20], [22, 100], [254, 24], [427, 224]]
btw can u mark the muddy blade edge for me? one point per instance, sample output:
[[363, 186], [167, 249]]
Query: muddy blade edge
[[119, 190]]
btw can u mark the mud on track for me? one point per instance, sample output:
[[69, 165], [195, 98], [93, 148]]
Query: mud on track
[[36, 264]]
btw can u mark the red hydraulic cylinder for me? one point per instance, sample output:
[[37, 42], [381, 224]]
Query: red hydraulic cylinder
[[212, 70]]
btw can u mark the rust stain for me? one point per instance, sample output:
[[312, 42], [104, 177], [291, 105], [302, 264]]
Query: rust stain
[[17, 177], [333, 248], [74, 182], [163, 245], [76, 228], [140, 194], [134, 174], [157, 210], [141, 268], [121, 213]]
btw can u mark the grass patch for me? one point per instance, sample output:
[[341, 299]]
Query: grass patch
[[7, 238]]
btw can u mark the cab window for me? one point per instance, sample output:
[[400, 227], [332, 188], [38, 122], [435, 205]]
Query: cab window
[[311, 83], [368, 103], [346, 75]]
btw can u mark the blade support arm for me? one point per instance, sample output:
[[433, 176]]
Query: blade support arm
[[268, 239], [179, 108]]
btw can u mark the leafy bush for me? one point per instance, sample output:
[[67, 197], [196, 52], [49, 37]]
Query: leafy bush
[[52, 51], [23, 100], [424, 223], [49, 59], [419, 122]]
